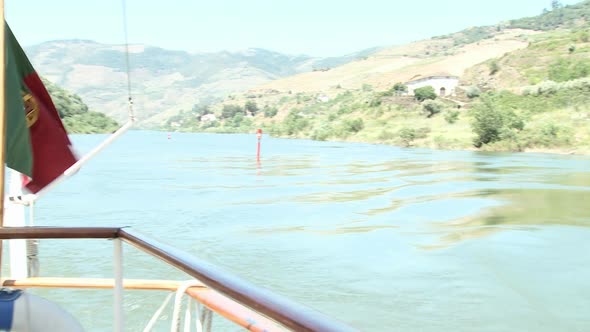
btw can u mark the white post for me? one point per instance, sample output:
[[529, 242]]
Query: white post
[[14, 216], [118, 291]]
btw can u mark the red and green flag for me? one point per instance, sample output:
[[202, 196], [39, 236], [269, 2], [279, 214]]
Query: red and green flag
[[37, 143]]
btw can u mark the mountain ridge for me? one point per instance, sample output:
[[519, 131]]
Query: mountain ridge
[[161, 79]]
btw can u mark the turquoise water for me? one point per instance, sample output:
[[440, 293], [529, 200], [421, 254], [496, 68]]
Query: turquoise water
[[382, 238]]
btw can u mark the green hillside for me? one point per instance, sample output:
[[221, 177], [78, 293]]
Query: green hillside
[[558, 56], [75, 114], [555, 17], [530, 99]]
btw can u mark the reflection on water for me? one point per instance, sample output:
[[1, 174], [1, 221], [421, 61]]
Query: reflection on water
[[525, 210], [537, 207], [380, 237], [340, 230]]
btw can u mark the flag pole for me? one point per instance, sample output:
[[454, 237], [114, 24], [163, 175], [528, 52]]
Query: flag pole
[[28, 199], [2, 120]]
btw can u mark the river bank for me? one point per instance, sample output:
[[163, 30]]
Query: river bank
[[493, 124], [438, 144]]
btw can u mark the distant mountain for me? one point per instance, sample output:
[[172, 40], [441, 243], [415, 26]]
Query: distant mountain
[[162, 80]]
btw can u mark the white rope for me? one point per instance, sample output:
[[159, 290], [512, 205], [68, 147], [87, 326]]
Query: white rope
[[199, 320], [32, 247], [187, 317], [32, 258], [175, 325], [203, 317], [207, 319], [157, 314]]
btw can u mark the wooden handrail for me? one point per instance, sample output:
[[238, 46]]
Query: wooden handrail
[[284, 311], [58, 232], [94, 283]]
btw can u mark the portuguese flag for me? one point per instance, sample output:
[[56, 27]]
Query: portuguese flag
[[37, 143]]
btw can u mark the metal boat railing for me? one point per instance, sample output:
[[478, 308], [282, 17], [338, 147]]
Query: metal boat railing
[[261, 303]]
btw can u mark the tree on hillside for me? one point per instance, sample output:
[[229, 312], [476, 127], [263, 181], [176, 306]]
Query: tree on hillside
[[269, 112], [432, 107], [491, 121], [556, 4], [487, 122], [425, 92], [229, 111], [251, 107], [201, 109], [399, 88], [353, 125], [494, 67], [472, 92]]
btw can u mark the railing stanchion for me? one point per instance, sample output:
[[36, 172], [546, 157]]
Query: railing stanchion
[[118, 294]]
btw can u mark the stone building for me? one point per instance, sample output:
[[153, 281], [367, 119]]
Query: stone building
[[443, 84]]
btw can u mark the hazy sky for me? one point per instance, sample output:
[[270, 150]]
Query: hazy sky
[[313, 27]]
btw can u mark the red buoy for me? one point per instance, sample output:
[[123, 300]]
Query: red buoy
[[259, 136]]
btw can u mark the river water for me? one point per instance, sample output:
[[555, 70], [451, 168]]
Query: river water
[[379, 237]]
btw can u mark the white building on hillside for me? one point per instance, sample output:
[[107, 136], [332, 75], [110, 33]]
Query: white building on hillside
[[323, 99], [208, 118], [443, 84]]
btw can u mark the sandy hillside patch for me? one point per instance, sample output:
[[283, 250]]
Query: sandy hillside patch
[[401, 63]]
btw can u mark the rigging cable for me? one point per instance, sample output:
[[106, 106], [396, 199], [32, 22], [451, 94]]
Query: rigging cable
[[127, 65]]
